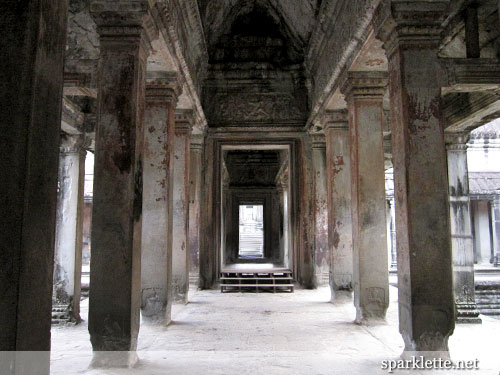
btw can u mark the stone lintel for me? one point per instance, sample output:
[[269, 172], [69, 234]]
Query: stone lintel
[[413, 24], [466, 111], [79, 84], [163, 87], [365, 85], [72, 118], [468, 75]]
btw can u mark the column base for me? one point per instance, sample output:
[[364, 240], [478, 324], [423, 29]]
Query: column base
[[467, 313], [161, 318], [104, 359], [367, 316], [429, 345], [341, 296]]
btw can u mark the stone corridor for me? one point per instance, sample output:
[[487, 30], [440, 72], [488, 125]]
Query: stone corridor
[[299, 333]]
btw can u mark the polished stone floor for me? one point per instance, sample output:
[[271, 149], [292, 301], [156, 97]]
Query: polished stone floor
[[299, 333]]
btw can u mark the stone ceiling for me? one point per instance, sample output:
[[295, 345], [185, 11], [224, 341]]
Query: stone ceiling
[[253, 167], [294, 18]]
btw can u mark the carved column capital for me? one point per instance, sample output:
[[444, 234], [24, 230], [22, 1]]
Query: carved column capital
[[365, 85], [318, 141], [184, 120], [197, 141], [120, 22], [163, 87], [456, 141], [73, 144], [409, 24], [336, 120]]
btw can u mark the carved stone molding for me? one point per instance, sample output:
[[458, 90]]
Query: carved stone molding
[[255, 107], [409, 24], [468, 75], [184, 120], [79, 84], [73, 144], [124, 21], [365, 85], [197, 141], [456, 141], [318, 140], [163, 87], [336, 120]]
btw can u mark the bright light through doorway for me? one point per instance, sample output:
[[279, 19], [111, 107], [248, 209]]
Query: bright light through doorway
[[251, 232]]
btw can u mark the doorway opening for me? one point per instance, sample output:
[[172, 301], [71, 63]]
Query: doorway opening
[[251, 232], [255, 221]]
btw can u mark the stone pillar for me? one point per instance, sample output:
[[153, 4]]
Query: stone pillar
[[115, 266], [162, 92], [304, 228], [339, 205], [392, 226], [495, 208], [461, 229], [321, 252], [180, 250], [364, 93], [69, 230], [195, 171], [411, 36], [31, 84]]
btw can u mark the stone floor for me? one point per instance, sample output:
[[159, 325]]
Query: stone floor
[[299, 333]]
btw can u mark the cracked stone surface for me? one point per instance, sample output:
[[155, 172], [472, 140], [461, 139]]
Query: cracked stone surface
[[299, 333]]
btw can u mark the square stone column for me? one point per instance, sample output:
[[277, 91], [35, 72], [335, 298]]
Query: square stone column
[[364, 93], [321, 252], [411, 35], [115, 267], [461, 229], [69, 230], [338, 169], [162, 91], [495, 210], [180, 249], [195, 171], [31, 86]]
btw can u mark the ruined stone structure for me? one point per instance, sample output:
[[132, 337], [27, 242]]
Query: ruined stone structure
[[194, 108]]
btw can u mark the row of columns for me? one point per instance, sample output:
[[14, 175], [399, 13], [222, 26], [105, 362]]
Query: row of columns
[[424, 250]]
